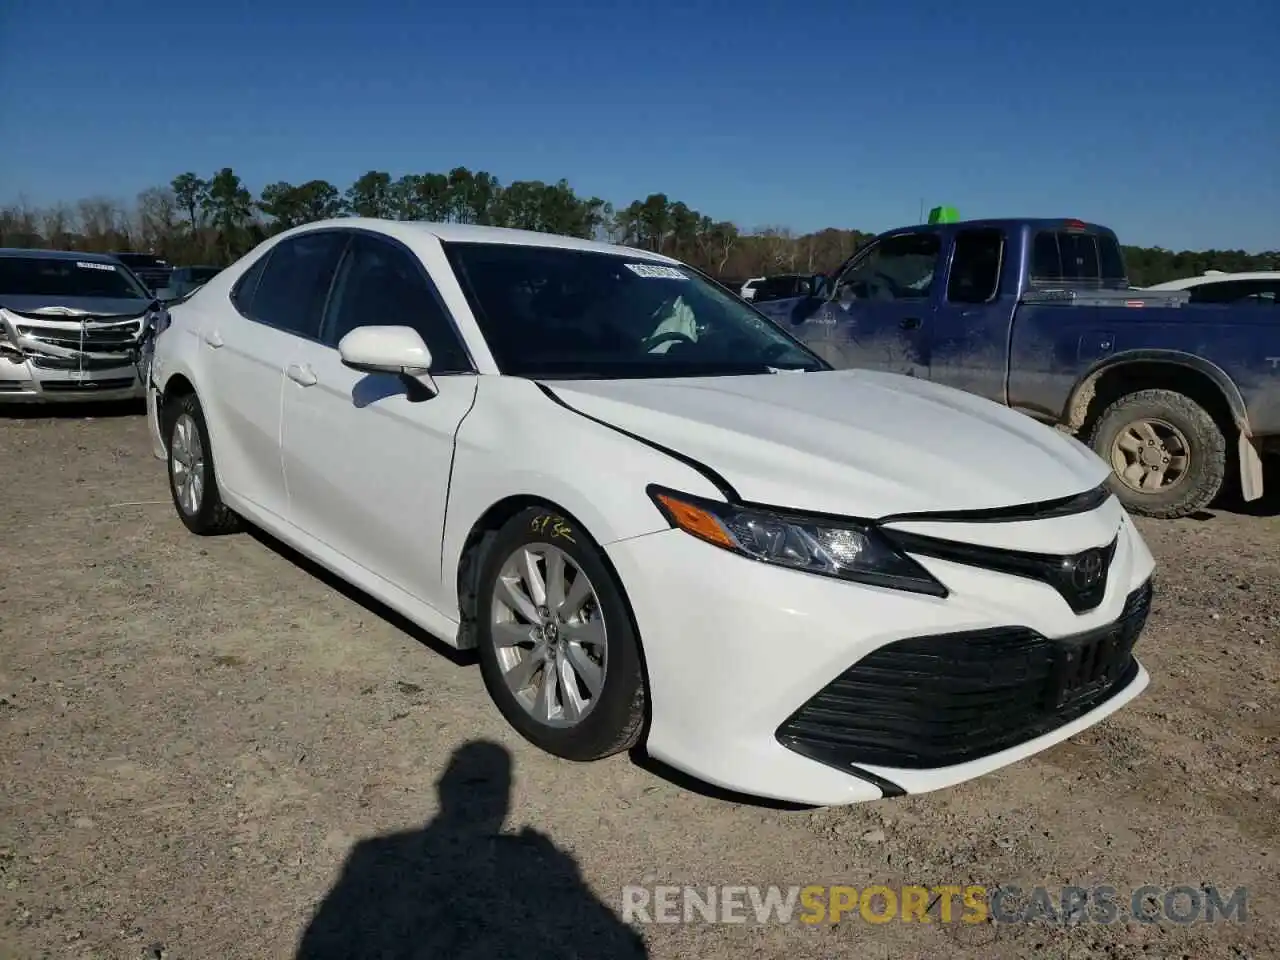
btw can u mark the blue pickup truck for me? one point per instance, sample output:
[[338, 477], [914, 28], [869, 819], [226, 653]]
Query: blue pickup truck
[[1040, 315]]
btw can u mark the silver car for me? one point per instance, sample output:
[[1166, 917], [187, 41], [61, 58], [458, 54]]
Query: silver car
[[73, 327]]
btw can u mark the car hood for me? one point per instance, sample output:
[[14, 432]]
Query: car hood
[[72, 307], [848, 442]]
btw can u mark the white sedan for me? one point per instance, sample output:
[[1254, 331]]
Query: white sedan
[[660, 519]]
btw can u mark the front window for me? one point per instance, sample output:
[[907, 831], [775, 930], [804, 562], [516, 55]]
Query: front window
[[896, 268], [549, 312], [58, 279]]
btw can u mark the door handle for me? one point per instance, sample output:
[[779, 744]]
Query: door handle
[[301, 374], [213, 339], [910, 323]]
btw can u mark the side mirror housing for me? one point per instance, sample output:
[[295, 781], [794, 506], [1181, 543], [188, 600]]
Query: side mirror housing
[[818, 285], [395, 350]]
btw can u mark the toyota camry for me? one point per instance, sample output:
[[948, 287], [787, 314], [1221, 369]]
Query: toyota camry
[[660, 520]]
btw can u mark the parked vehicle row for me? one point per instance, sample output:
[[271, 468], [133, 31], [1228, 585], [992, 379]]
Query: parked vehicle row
[[1173, 386], [660, 518]]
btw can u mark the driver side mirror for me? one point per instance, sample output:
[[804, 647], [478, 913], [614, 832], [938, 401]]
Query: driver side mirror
[[818, 285], [395, 350]]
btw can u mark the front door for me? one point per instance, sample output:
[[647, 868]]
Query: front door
[[367, 462], [880, 314]]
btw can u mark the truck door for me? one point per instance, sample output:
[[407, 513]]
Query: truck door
[[880, 313], [970, 344]]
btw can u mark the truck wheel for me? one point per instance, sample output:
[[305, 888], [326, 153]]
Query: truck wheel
[[1168, 457]]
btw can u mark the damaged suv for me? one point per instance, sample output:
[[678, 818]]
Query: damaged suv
[[73, 326]]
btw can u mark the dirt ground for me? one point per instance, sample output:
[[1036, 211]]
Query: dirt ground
[[197, 734]]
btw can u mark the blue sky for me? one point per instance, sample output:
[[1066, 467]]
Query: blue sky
[[1159, 119]]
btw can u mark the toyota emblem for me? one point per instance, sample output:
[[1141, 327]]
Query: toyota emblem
[[1086, 571]]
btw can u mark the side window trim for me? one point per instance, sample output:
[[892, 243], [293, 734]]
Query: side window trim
[[265, 261], [424, 274]]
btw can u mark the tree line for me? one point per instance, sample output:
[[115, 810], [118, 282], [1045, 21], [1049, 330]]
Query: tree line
[[214, 220]]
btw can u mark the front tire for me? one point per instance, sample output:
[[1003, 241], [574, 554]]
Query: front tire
[[557, 649], [1167, 454], [192, 481]]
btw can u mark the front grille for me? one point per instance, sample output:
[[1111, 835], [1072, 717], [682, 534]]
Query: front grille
[[935, 701], [88, 344], [86, 364], [1082, 588], [96, 335], [84, 386]]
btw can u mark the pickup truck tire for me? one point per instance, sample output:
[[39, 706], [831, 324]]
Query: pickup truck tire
[[1171, 432]]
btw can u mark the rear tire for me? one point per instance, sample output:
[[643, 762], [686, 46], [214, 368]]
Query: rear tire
[[1168, 455], [193, 482], [537, 620]]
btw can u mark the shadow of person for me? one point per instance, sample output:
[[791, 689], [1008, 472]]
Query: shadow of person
[[459, 888]]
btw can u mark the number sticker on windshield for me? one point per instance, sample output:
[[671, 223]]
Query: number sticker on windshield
[[654, 271], [86, 265]]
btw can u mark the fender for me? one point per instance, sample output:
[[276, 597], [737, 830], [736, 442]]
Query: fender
[[1250, 462], [1235, 400]]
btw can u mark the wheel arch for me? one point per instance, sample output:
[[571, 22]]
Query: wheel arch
[[176, 385], [1133, 370], [475, 549]]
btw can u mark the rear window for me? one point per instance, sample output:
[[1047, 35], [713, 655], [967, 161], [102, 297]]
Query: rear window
[[59, 279], [1076, 255]]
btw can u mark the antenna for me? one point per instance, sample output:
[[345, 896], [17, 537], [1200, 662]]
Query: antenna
[[920, 216]]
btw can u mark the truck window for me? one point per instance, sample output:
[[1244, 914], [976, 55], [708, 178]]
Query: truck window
[[1059, 255], [896, 268], [975, 266]]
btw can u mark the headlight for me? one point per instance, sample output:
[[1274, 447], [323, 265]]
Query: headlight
[[828, 547]]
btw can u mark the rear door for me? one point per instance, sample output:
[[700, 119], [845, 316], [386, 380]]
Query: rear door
[[881, 312], [247, 343], [970, 343]]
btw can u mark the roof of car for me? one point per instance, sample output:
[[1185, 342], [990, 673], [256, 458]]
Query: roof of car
[[1188, 282], [57, 255], [474, 233]]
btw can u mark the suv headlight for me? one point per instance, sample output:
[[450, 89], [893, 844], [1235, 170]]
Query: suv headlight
[[844, 549]]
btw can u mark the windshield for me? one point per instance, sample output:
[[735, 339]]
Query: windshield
[[549, 312], [60, 279]]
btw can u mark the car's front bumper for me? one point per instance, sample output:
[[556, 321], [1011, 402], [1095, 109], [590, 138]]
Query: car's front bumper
[[734, 648], [21, 381]]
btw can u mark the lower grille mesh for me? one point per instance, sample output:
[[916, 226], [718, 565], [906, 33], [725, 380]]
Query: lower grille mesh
[[936, 701]]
